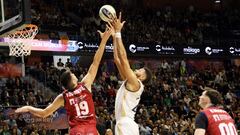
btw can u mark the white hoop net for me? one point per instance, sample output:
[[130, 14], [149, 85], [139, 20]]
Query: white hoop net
[[20, 41]]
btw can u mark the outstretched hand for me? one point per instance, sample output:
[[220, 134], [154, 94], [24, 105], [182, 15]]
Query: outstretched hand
[[22, 109], [106, 34], [117, 23]]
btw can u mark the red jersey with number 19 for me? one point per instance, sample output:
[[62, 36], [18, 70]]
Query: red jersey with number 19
[[219, 122], [80, 110]]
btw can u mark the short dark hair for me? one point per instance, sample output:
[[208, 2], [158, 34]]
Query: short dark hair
[[214, 96], [148, 76], [65, 79]]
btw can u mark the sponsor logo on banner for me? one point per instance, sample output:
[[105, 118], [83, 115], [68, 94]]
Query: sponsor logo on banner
[[133, 48], [158, 48], [234, 51], [161, 49], [210, 51], [191, 50], [80, 45], [92, 47]]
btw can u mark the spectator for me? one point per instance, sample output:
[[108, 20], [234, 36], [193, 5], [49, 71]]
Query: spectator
[[59, 63], [68, 63], [11, 121]]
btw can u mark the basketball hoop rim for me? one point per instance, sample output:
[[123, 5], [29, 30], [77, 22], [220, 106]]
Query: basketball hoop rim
[[19, 40], [28, 28]]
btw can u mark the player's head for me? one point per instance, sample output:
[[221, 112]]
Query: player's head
[[210, 97], [68, 80], [144, 74]]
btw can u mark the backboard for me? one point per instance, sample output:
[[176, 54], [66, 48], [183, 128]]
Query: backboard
[[14, 14]]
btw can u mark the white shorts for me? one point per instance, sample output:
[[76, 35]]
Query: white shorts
[[126, 126]]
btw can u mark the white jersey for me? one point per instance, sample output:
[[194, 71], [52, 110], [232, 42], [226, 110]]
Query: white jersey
[[126, 126], [126, 101]]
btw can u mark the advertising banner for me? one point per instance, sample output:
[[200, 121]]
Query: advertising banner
[[56, 121], [206, 49]]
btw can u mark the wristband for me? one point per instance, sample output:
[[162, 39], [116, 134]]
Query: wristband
[[118, 35]]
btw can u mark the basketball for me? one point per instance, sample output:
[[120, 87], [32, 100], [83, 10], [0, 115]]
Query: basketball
[[107, 12]]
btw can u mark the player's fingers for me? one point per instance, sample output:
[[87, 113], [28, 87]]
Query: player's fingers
[[110, 25], [114, 19], [17, 111], [99, 32], [112, 22], [120, 16], [123, 23], [107, 27]]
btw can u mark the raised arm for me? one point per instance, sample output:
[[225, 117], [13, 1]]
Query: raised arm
[[43, 113], [132, 81], [115, 54], [92, 71]]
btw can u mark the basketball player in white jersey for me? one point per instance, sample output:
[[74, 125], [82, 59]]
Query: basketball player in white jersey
[[128, 95]]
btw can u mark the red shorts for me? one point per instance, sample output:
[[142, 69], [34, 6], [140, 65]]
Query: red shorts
[[84, 130]]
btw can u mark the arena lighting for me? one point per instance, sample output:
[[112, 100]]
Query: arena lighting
[[217, 1]]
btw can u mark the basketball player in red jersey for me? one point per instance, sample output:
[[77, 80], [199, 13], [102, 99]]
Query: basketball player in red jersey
[[213, 120], [77, 97]]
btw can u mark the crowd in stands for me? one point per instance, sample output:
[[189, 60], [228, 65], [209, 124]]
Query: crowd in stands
[[165, 25], [168, 105], [50, 15]]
